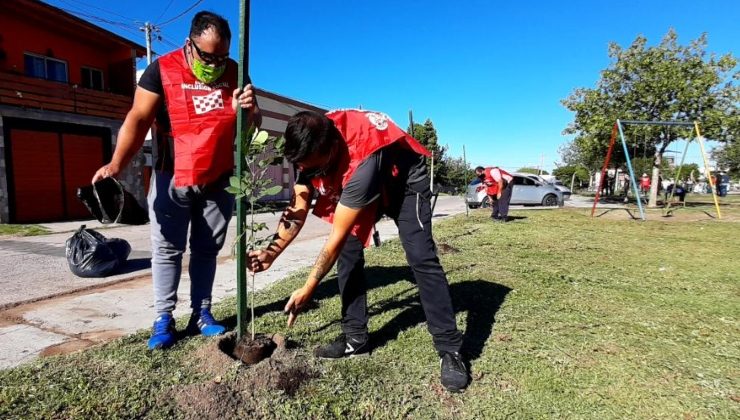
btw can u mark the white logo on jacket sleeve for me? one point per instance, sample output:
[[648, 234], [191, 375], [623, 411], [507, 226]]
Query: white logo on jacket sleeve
[[379, 120], [207, 103]]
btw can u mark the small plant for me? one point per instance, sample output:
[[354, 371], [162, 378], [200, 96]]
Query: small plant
[[260, 151]]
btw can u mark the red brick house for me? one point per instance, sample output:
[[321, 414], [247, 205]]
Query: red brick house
[[65, 88]]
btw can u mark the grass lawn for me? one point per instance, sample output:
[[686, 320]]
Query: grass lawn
[[564, 316], [22, 230]]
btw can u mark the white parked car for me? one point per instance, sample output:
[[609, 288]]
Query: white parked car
[[526, 190], [554, 182]]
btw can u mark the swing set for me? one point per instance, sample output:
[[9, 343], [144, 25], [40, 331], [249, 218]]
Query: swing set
[[618, 128]]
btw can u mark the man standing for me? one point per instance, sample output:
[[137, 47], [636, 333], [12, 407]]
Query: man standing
[[499, 183], [193, 94], [724, 184], [364, 166]]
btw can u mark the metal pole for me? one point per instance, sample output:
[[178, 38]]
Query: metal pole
[[431, 178], [676, 179], [465, 182], [148, 38], [706, 169], [242, 128], [632, 172], [603, 169]]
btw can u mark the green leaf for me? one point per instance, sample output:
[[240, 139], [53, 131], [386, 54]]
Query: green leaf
[[232, 189], [235, 181], [276, 189], [260, 138]]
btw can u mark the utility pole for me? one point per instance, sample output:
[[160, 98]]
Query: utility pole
[[148, 28], [542, 163]]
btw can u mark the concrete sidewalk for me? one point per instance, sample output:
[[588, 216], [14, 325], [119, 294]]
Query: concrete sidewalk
[[46, 310]]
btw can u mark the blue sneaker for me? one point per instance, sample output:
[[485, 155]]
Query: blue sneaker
[[163, 335], [204, 323]]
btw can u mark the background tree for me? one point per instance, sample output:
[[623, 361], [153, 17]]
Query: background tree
[[572, 175], [458, 173], [665, 82], [728, 157], [528, 170], [687, 170], [449, 171], [426, 134]]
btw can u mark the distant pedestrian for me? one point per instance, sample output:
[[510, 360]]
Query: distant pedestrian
[[645, 183], [499, 183], [724, 184]]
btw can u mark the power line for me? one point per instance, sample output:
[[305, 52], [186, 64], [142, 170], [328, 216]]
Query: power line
[[180, 15], [165, 10], [96, 8], [120, 25]]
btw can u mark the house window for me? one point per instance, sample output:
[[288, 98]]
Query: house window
[[45, 68], [92, 78]]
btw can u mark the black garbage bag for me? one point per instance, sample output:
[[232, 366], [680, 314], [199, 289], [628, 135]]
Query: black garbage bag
[[109, 202], [90, 254]]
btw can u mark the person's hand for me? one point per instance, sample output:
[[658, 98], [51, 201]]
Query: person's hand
[[243, 98], [498, 196], [297, 302], [259, 260], [107, 171]]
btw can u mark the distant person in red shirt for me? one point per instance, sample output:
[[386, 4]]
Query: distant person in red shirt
[[645, 183], [499, 183]]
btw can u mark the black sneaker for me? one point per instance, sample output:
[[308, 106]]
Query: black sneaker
[[454, 374], [343, 346]]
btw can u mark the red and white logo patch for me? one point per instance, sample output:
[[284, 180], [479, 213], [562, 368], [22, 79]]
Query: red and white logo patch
[[208, 103]]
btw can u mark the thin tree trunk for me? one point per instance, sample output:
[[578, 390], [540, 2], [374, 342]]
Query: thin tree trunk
[[654, 182]]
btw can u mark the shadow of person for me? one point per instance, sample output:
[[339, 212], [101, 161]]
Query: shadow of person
[[329, 287], [479, 298], [513, 218]]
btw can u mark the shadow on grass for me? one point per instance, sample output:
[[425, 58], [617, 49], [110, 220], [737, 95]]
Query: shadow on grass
[[479, 298], [376, 277]]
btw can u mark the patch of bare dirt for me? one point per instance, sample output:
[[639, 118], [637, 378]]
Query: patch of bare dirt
[[233, 388], [678, 214], [446, 249]]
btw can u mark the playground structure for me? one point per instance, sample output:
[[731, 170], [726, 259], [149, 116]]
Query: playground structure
[[618, 128]]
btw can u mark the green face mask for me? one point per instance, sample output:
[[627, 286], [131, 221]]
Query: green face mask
[[206, 73]]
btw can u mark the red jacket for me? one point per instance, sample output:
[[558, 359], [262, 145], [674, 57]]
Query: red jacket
[[203, 121], [364, 133]]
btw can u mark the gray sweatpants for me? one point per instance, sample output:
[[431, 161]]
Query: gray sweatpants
[[207, 210]]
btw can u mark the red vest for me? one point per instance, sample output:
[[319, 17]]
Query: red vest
[[494, 187], [203, 121], [364, 133]]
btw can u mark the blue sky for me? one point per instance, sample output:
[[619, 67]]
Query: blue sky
[[489, 74]]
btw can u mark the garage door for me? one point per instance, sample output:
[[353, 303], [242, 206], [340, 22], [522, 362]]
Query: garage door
[[47, 167]]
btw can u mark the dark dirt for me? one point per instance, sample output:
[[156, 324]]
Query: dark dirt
[[446, 249], [249, 351], [233, 388]]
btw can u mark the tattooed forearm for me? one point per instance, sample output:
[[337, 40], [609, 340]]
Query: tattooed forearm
[[324, 262]]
